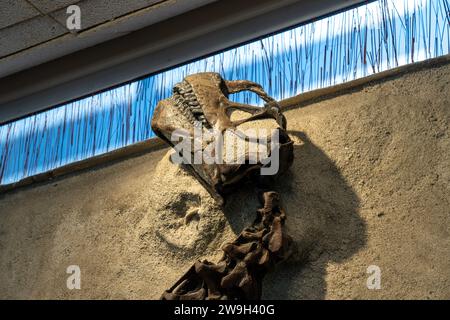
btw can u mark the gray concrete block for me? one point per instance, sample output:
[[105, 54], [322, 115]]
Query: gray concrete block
[[27, 34], [95, 12], [15, 11], [52, 5]]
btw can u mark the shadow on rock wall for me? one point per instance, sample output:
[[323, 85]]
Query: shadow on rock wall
[[322, 217]]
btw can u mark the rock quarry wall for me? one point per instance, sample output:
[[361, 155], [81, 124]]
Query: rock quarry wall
[[370, 185]]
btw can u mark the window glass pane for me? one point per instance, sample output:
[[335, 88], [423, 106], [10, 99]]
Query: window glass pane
[[359, 42]]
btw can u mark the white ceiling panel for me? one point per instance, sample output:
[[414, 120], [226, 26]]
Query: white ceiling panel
[[96, 12], [35, 30], [15, 11], [47, 6], [28, 34]]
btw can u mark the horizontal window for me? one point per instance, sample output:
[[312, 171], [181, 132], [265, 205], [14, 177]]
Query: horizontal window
[[349, 45]]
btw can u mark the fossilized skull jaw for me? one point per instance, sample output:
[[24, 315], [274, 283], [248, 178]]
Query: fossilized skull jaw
[[200, 104]]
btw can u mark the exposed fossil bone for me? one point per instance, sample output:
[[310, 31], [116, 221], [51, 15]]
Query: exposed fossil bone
[[239, 274], [201, 101]]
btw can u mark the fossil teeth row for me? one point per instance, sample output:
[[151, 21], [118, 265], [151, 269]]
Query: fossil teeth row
[[187, 103]]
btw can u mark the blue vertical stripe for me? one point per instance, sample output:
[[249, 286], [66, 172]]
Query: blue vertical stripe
[[349, 45]]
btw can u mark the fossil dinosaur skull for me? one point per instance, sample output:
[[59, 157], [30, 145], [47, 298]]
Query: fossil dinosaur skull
[[200, 104]]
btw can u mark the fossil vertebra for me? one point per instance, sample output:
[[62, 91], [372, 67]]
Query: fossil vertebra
[[239, 274]]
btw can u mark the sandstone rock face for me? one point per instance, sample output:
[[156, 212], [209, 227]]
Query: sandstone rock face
[[370, 185]]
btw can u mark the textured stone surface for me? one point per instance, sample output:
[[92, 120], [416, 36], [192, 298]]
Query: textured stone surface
[[15, 11], [95, 12], [369, 186], [27, 27], [28, 34], [47, 6]]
